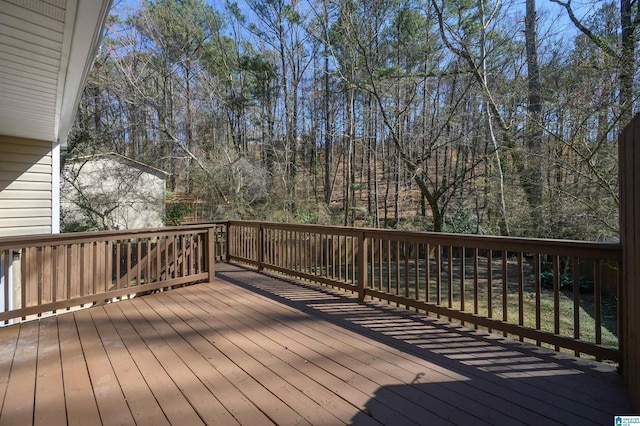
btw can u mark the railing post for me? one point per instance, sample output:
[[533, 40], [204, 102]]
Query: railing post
[[629, 291], [362, 265], [227, 244], [260, 247], [211, 253]]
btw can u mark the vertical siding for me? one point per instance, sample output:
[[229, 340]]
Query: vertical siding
[[25, 186]]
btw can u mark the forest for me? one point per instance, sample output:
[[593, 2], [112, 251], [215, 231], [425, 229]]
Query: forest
[[467, 116]]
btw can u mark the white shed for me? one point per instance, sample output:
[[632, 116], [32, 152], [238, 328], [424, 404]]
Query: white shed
[[111, 191]]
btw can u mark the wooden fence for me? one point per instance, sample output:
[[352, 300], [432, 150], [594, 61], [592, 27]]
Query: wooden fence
[[554, 292], [44, 274]]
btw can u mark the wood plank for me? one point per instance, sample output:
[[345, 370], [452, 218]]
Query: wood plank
[[173, 403], [203, 361], [50, 402], [258, 348], [366, 376], [512, 392], [8, 342], [109, 397], [228, 361], [344, 400], [143, 405], [398, 403], [20, 395], [159, 341], [81, 406]]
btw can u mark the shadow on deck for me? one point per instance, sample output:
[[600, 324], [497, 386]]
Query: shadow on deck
[[468, 377]]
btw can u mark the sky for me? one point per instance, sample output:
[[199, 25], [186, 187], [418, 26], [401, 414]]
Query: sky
[[553, 18]]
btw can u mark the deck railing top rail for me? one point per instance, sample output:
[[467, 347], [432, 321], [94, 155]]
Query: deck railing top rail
[[41, 240], [584, 249]]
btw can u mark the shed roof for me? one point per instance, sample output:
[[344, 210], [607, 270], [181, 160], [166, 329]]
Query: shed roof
[[123, 159]]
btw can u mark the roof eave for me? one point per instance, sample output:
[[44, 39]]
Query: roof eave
[[83, 35]]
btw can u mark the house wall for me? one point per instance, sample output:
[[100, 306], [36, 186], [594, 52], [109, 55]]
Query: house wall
[[26, 186], [128, 196]]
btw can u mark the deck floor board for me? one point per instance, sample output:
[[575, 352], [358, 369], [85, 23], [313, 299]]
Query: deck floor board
[[174, 405], [254, 349], [49, 403], [80, 402], [371, 362]]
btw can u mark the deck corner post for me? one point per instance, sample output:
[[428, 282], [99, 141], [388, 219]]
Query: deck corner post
[[260, 251], [211, 253], [227, 245], [362, 265], [629, 291]]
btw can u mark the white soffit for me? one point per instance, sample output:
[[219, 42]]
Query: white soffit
[[46, 51]]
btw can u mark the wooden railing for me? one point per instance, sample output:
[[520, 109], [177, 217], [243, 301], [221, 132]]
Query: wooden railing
[[560, 293], [45, 274]]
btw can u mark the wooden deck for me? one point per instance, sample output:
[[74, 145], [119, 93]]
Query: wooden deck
[[251, 349]]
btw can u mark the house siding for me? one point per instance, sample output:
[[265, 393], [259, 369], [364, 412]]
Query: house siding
[[25, 186]]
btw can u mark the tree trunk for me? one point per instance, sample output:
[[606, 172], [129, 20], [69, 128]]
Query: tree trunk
[[533, 178], [627, 61]]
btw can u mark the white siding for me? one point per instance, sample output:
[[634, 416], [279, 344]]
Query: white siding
[[25, 186], [31, 48]]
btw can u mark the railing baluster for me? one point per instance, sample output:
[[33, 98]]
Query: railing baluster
[[27, 281], [139, 258], [427, 273], [538, 284], [327, 257], [462, 280], [47, 278], [416, 259], [556, 296], [575, 269], [129, 269], [475, 283], [84, 268], [380, 245], [597, 301], [489, 285], [520, 291], [69, 271], [6, 258], [372, 264], [397, 265], [406, 254], [388, 265], [95, 267], [450, 277], [167, 267], [505, 290], [338, 255], [438, 275], [39, 282]]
